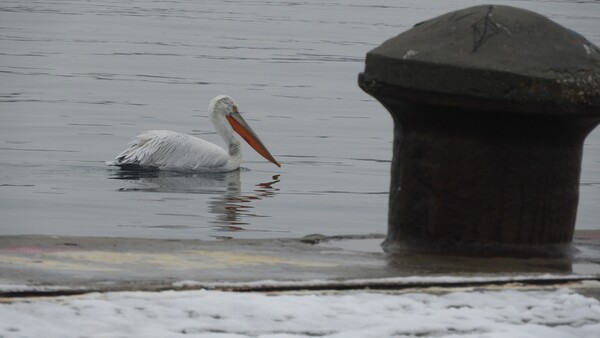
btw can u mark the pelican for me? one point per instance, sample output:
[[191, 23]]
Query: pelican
[[168, 150]]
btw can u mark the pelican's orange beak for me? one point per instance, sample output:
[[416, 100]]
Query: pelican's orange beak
[[243, 129]]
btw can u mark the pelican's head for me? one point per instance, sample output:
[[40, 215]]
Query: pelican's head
[[223, 106]]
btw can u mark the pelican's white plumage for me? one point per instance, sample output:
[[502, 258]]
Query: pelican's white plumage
[[168, 150], [165, 149]]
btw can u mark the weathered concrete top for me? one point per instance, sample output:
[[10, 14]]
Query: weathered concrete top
[[492, 52], [55, 265]]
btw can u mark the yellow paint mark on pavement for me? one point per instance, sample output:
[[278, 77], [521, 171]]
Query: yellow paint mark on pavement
[[96, 260], [241, 258], [176, 262], [161, 260]]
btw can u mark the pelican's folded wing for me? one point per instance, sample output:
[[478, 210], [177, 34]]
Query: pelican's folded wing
[[163, 149]]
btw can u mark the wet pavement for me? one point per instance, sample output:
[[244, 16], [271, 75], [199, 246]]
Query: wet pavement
[[57, 265]]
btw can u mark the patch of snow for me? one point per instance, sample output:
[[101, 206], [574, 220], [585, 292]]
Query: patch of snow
[[32, 288], [504, 28], [410, 54], [13, 287], [391, 281], [508, 313], [188, 284]]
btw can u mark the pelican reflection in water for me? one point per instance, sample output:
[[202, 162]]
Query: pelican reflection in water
[[228, 204]]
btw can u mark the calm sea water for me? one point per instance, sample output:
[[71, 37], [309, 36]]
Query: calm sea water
[[78, 79]]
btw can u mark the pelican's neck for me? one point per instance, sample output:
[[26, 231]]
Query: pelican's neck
[[228, 135]]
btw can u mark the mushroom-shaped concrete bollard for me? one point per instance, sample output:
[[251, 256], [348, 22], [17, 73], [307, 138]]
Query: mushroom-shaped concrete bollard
[[491, 106]]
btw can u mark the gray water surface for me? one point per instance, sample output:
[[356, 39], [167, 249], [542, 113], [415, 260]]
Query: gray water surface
[[78, 79]]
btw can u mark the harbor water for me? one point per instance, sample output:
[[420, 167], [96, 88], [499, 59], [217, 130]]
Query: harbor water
[[79, 79]]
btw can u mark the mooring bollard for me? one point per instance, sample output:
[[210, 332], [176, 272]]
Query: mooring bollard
[[491, 106]]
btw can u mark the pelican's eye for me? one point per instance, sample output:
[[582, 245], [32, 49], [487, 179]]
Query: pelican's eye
[[234, 109]]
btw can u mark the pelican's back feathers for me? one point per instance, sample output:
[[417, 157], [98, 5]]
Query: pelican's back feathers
[[163, 149]]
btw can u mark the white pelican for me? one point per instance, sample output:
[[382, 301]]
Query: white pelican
[[168, 150]]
